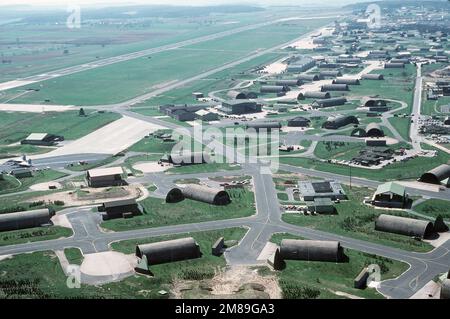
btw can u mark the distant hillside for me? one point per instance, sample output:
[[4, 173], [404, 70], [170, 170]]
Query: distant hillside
[[31, 15], [395, 4]]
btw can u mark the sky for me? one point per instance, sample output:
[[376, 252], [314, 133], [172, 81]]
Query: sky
[[172, 2]]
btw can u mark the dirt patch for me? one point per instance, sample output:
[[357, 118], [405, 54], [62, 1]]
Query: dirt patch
[[231, 283], [151, 167], [108, 264], [92, 196], [46, 186]]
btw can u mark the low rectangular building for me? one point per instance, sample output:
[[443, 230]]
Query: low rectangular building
[[321, 206], [120, 208], [239, 107], [104, 177], [326, 189]]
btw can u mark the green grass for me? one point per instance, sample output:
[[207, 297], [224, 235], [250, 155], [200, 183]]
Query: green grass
[[17, 126], [16, 237], [38, 177], [42, 271], [152, 145], [203, 168], [159, 213], [326, 278], [357, 220], [8, 183], [338, 150], [434, 208], [74, 256], [19, 150], [125, 80], [283, 196], [410, 170], [402, 125]]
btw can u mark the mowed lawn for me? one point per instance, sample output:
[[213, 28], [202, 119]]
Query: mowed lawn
[[122, 81], [16, 126], [39, 275], [357, 220], [410, 170], [319, 280], [159, 213]]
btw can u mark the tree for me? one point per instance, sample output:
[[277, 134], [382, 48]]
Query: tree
[[82, 112]]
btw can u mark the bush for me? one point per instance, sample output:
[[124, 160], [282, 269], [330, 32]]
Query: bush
[[292, 291]]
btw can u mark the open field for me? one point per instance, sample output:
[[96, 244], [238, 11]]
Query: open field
[[357, 220], [317, 280], [159, 213], [16, 237], [43, 271], [102, 40], [434, 208], [125, 80], [16, 126], [41, 176], [410, 170]]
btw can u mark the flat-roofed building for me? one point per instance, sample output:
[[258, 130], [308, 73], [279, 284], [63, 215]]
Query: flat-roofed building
[[104, 177], [120, 209], [326, 189], [43, 139], [239, 107], [321, 206]]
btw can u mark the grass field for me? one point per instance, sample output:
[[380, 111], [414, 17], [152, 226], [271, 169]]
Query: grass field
[[16, 237], [38, 177], [338, 150], [309, 279], [357, 220], [159, 213], [74, 256], [8, 183], [434, 208], [120, 82], [94, 41], [43, 277], [410, 170], [17, 126], [398, 85]]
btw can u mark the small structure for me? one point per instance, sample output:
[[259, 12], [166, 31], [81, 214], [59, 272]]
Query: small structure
[[20, 173], [104, 177], [347, 81], [198, 95], [274, 89], [373, 76], [276, 261], [26, 219], [206, 194], [374, 130], [327, 189], [360, 281], [268, 126], [376, 142], [199, 193], [390, 195], [188, 158], [337, 101], [445, 289], [394, 66], [236, 95], [404, 226], [120, 209], [436, 175], [218, 246], [288, 82], [169, 251], [341, 121], [321, 206], [334, 87], [42, 139], [308, 77], [207, 116], [313, 95], [239, 107], [311, 250], [299, 121]]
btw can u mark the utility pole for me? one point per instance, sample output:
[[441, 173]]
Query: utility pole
[[350, 176]]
